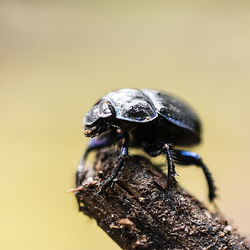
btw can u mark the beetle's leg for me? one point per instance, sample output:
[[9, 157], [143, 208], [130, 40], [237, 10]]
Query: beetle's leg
[[124, 154], [159, 148], [94, 144], [187, 158], [171, 167]]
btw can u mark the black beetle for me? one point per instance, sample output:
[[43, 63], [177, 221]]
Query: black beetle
[[149, 119]]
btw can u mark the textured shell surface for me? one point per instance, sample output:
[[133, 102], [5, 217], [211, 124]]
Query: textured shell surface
[[174, 109], [131, 105]]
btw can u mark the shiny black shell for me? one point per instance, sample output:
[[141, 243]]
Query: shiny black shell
[[149, 105], [174, 110]]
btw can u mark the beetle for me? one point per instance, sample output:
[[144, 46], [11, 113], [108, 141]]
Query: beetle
[[149, 119]]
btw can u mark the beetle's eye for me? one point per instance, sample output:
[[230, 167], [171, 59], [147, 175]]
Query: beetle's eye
[[106, 111]]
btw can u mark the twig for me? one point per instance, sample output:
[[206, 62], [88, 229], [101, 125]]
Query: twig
[[139, 212]]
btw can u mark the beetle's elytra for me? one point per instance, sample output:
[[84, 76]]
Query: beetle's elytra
[[149, 119]]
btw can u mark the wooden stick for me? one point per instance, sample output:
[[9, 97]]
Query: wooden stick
[[140, 213]]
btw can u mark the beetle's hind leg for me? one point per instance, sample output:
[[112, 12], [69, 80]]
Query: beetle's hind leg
[[188, 158]]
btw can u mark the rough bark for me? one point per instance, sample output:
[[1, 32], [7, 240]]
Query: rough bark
[[139, 212]]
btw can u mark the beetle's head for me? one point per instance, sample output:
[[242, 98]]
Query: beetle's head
[[96, 121]]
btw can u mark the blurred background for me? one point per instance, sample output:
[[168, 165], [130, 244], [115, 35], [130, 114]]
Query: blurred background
[[58, 57]]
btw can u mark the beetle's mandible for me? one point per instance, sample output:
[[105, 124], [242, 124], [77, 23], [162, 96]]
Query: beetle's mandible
[[149, 119]]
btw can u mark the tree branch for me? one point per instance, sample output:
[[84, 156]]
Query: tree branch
[[139, 212]]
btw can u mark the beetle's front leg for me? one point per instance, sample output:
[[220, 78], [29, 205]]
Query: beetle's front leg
[[109, 139], [120, 165], [94, 144]]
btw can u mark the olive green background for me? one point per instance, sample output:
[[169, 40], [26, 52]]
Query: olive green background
[[58, 57]]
